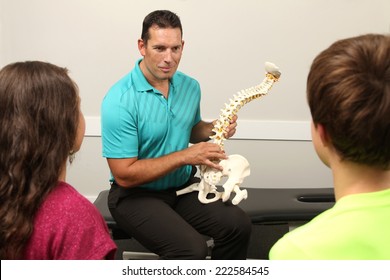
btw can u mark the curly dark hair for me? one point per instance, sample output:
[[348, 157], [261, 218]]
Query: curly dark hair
[[39, 115]]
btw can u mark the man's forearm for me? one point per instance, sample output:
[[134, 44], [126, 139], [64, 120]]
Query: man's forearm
[[201, 132], [143, 171]]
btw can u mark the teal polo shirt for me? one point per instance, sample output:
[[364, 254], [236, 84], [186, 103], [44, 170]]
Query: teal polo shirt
[[137, 121]]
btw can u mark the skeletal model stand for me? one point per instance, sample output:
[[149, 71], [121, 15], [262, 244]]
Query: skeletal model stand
[[235, 167]]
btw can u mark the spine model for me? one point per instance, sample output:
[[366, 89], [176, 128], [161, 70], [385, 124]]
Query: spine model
[[236, 167], [243, 97]]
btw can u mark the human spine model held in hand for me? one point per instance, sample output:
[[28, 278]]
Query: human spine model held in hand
[[236, 167]]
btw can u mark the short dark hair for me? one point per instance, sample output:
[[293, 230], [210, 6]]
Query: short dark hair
[[348, 92], [161, 18]]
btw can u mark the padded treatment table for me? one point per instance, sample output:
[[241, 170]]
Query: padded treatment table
[[265, 206], [269, 205]]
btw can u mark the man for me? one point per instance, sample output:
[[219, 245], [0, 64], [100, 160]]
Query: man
[[348, 90], [149, 118]]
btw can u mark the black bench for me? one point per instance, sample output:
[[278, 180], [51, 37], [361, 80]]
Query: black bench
[[265, 206]]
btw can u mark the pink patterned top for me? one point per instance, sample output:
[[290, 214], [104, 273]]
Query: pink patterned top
[[69, 227]]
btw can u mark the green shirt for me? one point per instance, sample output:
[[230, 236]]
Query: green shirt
[[137, 121], [356, 228]]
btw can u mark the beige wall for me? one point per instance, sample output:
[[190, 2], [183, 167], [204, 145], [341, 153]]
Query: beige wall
[[226, 45], [274, 164]]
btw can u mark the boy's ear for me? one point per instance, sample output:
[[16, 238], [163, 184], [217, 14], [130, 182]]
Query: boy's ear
[[323, 135]]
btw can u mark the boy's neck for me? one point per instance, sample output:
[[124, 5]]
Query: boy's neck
[[351, 178]]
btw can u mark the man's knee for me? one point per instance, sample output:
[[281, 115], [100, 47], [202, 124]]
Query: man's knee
[[238, 223]]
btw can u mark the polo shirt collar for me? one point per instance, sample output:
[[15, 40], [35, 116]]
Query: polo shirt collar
[[141, 83]]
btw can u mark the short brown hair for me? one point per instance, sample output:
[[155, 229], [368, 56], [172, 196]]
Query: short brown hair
[[348, 92]]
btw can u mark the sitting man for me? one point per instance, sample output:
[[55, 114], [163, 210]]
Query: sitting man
[[149, 118]]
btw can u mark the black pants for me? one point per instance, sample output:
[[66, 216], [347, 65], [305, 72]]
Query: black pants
[[172, 226]]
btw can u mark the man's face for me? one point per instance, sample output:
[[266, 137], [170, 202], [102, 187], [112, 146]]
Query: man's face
[[162, 53]]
